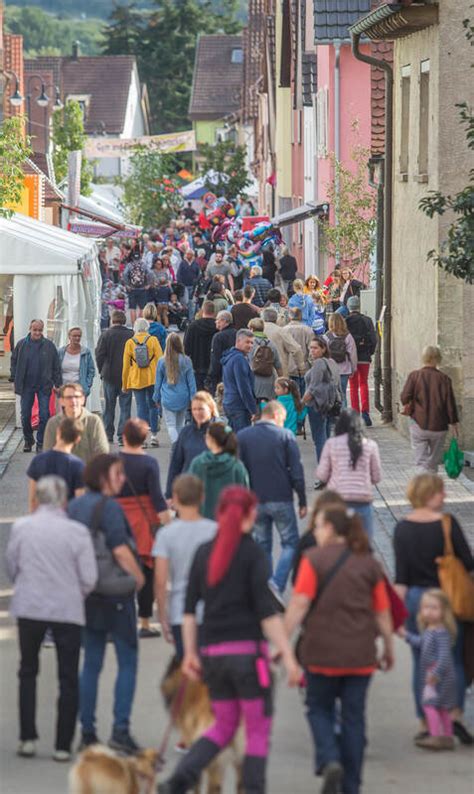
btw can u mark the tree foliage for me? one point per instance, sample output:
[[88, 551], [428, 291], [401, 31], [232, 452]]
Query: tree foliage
[[102, 8], [14, 149], [352, 239], [164, 43], [151, 196], [44, 34], [456, 253], [68, 136], [228, 162]]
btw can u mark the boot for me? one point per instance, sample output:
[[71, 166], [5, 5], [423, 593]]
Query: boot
[[253, 774], [189, 769]]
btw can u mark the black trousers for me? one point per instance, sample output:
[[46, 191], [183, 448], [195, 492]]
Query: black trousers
[[145, 596], [67, 638]]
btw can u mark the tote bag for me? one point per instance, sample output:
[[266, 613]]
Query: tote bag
[[454, 579]]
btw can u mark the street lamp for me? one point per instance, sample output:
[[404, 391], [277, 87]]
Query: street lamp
[[42, 101], [16, 98]]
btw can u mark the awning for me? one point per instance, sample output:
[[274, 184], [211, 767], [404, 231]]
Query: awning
[[31, 247], [300, 214]]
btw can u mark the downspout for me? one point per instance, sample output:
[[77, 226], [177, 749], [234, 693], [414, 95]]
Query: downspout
[[387, 415], [378, 185], [337, 130]]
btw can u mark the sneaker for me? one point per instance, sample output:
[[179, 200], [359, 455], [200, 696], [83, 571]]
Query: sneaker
[[145, 445], [366, 417], [28, 446], [318, 485], [87, 740], [462, 733], [48, 639], [146, 634], [27, 749], [332, 777], [124, 743], [62, 756], [181, 747], [436, 743], [154, 440], [277, 596]]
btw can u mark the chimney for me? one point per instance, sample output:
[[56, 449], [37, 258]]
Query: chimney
[[76, 51]]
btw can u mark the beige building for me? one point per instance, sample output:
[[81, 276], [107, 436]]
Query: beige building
[[431, 73]]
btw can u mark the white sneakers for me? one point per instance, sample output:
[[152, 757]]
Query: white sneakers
[[62, 756], [154, 440], [27, 749]]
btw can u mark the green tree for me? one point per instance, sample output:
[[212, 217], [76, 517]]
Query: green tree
[[165, 48], [456, 253], [14, 149], [351, 239], [151, 196], [69, 136], [44, 34], [228, 161]]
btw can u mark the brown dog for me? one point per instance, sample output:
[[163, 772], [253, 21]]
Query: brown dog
[[191, 709], [99, 770]]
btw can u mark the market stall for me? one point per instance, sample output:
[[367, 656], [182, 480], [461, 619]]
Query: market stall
[[52, 275]]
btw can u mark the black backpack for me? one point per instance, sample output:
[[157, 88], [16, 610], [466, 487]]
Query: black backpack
[[337, 347], [361, 333]]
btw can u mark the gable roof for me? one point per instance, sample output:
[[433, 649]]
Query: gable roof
[[105, 78], [217, 82], [332, 18]]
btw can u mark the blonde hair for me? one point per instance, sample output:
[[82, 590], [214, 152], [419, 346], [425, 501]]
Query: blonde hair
[[447, 616], [173, 349], [256, 324], [431, 356], [207, 399], [422, 488], [337, 325], [298, 285], [149, 312]]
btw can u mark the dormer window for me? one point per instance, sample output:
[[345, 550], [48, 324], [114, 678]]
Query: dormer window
[[237, 55]]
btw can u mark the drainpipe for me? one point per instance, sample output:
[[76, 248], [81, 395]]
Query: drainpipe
[[337, 129], [387, 415], [378, 185]]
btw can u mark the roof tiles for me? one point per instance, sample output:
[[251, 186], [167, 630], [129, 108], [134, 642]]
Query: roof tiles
[[217, 82], [383, 50], [332, 18]]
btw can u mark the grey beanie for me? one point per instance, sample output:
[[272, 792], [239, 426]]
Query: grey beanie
[[353, 303]]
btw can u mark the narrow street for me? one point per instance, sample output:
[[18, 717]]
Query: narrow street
[[393, 764]]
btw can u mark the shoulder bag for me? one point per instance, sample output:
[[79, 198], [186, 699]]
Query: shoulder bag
[[154, 526], [455, 581], [112, 579]]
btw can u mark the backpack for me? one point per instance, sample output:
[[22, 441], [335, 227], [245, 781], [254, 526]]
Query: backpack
[[263, 360], [361, 334], [137, 275], [326, 396], [112, 580], [337, 347], [319, 322], [142, 355]]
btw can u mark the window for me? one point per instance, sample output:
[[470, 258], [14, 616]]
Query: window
[[322, 122], [424, 121], [237, 55], [405, 122], [83, 101]]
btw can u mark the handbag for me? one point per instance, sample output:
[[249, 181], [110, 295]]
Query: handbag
[[112, 580], [409, 408], [398, 609], [154, 526], [454, 579], [322, 587], [453, 460]]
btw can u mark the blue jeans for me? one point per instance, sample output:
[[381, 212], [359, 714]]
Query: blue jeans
[[366, 512], [283, 515], [188, 301], [412, 603], [348, 748], [319, 426], [238, 420], [127, 659], [111, 393], [174, 422], [146, 408], [26, 405], [344, 382]]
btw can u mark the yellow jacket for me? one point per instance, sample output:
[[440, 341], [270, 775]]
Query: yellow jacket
[[134, 377]]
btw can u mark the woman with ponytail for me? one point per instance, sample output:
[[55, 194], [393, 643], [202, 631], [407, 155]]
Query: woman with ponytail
[[350, 464], [218, 466], [341, 596], [230, 574]]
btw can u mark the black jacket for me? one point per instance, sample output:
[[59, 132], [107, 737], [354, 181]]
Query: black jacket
[[50, 366], [221, 342], [198, 341], [353, 290], [109, 353], [189, 444], [365, 337], [269, 266], [288, 267]]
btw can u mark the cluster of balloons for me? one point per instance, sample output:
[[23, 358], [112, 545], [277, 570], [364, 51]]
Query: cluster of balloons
[[226, 226]]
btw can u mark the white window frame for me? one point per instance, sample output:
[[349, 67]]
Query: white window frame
[[322, 122]]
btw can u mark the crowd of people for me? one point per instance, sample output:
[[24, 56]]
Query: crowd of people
[[237, 362]]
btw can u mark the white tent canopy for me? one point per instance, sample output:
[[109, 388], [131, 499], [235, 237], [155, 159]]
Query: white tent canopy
[[30, 247]]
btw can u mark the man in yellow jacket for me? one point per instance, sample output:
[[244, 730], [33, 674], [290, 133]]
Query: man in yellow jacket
[[140, 357]]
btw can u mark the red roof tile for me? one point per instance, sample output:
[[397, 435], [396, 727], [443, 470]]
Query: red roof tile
[[383, 50]]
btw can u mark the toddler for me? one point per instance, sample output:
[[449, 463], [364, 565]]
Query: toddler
[[287, 393]]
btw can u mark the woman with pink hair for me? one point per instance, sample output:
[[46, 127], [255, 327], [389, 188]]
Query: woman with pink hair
[[230, 575]]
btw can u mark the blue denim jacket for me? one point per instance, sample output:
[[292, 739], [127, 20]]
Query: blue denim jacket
[[86, 368]]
